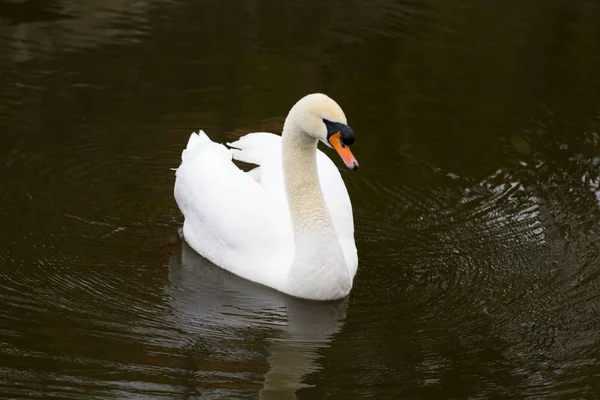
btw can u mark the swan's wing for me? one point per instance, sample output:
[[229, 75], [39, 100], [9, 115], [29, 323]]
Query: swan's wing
[[264, 149], [228, 218]]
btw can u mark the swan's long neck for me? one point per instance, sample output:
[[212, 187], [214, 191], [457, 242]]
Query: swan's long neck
[[305, 197], [318, 260]]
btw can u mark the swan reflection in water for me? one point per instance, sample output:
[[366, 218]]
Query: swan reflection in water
[[235, 323]]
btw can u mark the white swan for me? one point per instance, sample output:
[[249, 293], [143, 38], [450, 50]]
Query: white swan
[[286, 224]]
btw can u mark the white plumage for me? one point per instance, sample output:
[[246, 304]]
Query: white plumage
[[271, 227]]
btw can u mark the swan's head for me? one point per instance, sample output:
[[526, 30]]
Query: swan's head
[[323, 119]]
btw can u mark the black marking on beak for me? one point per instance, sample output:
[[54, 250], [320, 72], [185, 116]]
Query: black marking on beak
[[348, 137]]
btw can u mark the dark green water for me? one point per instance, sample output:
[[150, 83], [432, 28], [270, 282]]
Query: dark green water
[[477, 203]]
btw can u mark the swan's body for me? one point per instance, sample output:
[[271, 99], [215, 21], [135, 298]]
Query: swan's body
[[286, 224]]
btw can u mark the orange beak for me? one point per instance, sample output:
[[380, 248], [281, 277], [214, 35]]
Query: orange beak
[[343, 150]]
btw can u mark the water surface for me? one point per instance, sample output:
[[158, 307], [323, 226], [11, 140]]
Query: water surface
[[477, 204]]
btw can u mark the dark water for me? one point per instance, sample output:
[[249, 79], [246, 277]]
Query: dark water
[[477, 204]]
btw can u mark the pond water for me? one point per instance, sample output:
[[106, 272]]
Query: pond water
[[477, 204]]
